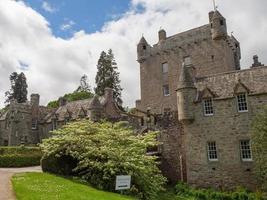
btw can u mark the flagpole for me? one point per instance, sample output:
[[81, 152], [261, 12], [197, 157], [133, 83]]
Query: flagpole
[[214, 5]]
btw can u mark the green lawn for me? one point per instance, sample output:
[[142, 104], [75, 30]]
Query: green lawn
[[42, 186]]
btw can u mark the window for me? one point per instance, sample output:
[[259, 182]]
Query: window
[[54, 124], [144, 47], [187, 60], [34, 124], [242, 102], [208, 107], [165, 68], [166, 90], [245, 150], [66, 120], [212, 58], [221, 22], [212, 151]]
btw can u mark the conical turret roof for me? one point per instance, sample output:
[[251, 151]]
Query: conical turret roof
[[143, 40], [186, 78]]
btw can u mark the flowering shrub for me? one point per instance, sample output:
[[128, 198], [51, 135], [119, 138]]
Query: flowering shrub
[[98, 152]]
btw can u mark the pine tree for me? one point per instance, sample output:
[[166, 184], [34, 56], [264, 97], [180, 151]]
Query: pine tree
[[18, 89], [107, 76]]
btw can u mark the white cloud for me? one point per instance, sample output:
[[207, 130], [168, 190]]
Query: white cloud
[[67, 26], [55, 65], [48, 7]]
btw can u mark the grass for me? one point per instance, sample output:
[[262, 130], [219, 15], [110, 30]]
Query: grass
[[43, 186]]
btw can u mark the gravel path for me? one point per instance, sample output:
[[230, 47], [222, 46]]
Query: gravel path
[[6, 192]]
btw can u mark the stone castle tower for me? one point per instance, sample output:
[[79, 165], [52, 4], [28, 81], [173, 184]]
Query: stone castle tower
[[209, 48]]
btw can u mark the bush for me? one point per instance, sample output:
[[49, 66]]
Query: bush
[[184, 190], [97, 152], [19, 156]]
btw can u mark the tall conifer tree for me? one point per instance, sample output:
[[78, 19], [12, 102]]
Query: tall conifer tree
[[18, 89], [108, 76]]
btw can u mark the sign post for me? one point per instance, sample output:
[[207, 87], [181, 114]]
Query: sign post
[[123, 183]]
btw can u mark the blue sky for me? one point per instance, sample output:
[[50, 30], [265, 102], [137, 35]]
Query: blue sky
[[69, 16]]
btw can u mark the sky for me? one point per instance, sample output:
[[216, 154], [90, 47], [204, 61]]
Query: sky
[[55, 42]]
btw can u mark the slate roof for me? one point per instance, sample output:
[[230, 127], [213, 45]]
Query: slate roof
[[223, 85]]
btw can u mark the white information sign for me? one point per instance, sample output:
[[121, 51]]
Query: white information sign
[[123, 182]]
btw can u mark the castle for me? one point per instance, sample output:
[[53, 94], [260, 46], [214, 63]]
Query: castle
[[193, 88], [28, 123]]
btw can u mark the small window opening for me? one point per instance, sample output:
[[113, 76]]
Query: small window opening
[[166, 90], [221, 22], [144, 47], [212, 151], [242, 102], [212, 58], [208, 107], [245, 149], [165, 68]]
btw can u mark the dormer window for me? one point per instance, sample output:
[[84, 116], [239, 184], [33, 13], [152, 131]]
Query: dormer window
[[242, 105], [208, 107]]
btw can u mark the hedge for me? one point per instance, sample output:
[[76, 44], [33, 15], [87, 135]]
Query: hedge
[[19, 156]]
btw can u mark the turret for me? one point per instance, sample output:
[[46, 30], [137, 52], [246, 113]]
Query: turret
[[162, 35], [218, 25], [142, 49], [186, 93]]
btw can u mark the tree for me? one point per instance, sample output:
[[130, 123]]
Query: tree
[[82, 92], [97, 152], [84, 85], [259, 145], [107, 76], [18, 89]]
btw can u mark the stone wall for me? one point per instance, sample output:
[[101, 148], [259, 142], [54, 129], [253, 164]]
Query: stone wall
[[227, 127], [207, 55]]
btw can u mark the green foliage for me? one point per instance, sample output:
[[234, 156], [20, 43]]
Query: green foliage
[[182, 189], [75, 96], [49, 187], [20, 156], [18, 89], [53, 104], [104, 150], [107, 76], [259, 145]]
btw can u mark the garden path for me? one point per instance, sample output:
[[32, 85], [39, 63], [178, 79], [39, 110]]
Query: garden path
[[6, 192]]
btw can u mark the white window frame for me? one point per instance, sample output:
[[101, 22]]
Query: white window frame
[[239, 102], [34, 124], [208, 105], [245, 150], [212, 150], [163, 90], [165, 68]]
